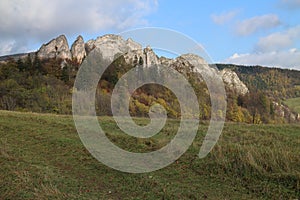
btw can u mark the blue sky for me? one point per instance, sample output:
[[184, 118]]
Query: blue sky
[[242, 32]]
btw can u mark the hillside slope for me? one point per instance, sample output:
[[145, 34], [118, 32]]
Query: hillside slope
[[42, 157]]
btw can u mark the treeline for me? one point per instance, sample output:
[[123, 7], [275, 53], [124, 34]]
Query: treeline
[[268, 88], [36, 85], [275, 82]]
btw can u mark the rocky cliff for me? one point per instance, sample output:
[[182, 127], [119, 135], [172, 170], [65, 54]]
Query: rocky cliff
[[78, 50], [232, 81], [111, 46], [56, 48]]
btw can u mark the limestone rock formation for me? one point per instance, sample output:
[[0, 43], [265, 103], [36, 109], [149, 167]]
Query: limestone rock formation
[[232, 81], [111, 46], [188, 63], [145, 57], [57, 48], [78, 50], [150, 57], [89, 46], [284, 111], [165, 61]]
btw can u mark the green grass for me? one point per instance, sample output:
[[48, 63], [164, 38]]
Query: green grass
[[294, 104], [42, 157]]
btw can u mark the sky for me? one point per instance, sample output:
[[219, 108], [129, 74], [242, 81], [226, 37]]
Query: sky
[[238, 32]]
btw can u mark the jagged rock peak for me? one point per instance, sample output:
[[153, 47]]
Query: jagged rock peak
[[132, 44], [232, 80], [111, 45], [150, 57], [56, 48], [146, 56], [78, 49]]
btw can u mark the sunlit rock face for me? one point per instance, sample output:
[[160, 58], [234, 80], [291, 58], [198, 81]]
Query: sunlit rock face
[[232, 81], [56, 48], [112, 46], [78, 50]]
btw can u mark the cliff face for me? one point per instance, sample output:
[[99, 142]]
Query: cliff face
[[78, 50], [112, 45], [56, 48], [232, 81]]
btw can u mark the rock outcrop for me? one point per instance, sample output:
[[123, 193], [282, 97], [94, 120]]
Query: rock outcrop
[[57, 48], [284, 111], [233, 82], [145, 57], [78, 50], [150, 57], [111, 46], [186, 64]]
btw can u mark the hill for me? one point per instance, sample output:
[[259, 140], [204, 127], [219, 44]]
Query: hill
[[42, 157], [276, 82], [43, 81]]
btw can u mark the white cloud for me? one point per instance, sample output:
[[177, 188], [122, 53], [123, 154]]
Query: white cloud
[[279, 40], [284, 59], [6, 47], [290, 4], [224, 17], [256, 24], [40, 20]]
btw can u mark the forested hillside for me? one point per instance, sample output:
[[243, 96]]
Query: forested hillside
[[45, 85], [275, 82]]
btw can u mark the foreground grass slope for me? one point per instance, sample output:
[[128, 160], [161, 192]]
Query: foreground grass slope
[[42, 157]]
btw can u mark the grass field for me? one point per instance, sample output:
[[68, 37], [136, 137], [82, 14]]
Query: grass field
[[294, 104], [42, 157]]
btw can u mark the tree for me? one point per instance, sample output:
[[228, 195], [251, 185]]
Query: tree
[[28, 64], [259, 106], [65, 74], [21, 65]]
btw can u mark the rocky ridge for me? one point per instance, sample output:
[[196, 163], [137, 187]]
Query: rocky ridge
[[111, 46]]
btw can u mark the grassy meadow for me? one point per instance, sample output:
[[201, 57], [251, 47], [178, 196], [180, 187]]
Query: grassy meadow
[[294, 104], [42, 157]]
